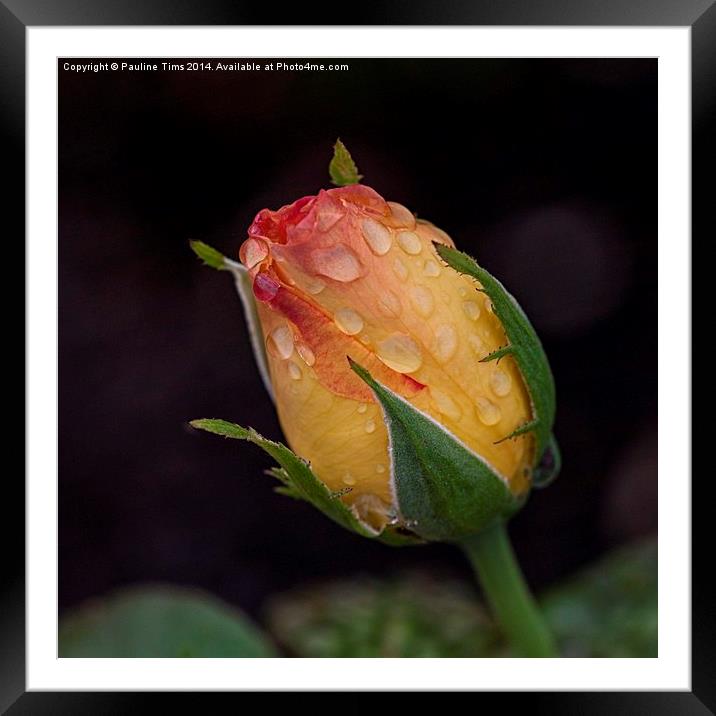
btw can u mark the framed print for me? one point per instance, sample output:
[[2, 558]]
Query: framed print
[[427, 275]]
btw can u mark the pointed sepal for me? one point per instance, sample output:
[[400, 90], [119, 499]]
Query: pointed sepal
[[444, 491], [242, 281], [298, 481], [525, 346], [342, 168]]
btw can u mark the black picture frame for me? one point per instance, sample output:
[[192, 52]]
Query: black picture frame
[[699, 15]]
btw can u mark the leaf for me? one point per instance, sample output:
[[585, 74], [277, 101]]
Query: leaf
[[342, 168], [300, 481], [444, 490], [215, 259], [160, 622], [525, 345], [210, 256]]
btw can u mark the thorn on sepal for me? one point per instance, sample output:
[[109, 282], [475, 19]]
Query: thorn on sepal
[[521, 430], [499, 353]]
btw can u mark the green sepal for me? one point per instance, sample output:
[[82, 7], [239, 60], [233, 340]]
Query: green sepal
[[525, 346], [342, 168], [299, 482], [444, 491], [216, 260]]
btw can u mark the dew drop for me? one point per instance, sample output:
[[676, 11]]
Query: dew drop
[[348, 479], [308, 356], [327, 219], [370, 426], [377, 236], [400, 269], [445, 404], [389, 304], [477, 345], [253, 252], [265, 287], [500, 382], [380, 469], [337, 262], [401, 353], [422, 300], [281, 339], [362, 408], [294, 371], [409, 242], [487, 411], [488, 305], [348, 321], [463, 291], [314, 285], [471, 309], [401, 215], [430, 268], [445, 342]]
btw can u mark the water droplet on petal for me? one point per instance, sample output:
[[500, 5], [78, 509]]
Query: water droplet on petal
[[445, 404], [409, 242], [471, 309], [281, 340], [380, 468], [400, 269], [463, 291], [500, 382], [362, 408], [308, 356], [422, 300], [377, 236], [294, 371], [265, 287], [487, 411], [389, 304], [327, 219], [253, 251], [401, 215], [488, 305], [401, 353], [337, 262], [477, 345], [445, 342], [348, 321], [430, 268], [314, 285], [370, 426], [348, 479]]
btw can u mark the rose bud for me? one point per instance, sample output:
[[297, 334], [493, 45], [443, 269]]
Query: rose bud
[[404, 374]]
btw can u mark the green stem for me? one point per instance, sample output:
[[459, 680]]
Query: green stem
[[494, 562]]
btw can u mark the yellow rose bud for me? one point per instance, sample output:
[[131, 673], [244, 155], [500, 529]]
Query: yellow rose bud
[[345, 273]]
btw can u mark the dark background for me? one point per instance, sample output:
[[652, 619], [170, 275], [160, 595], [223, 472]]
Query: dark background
[[545, 170]]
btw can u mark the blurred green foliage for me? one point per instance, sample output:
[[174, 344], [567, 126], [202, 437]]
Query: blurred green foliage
[[160, 622], [412, 615], [608, 610]]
